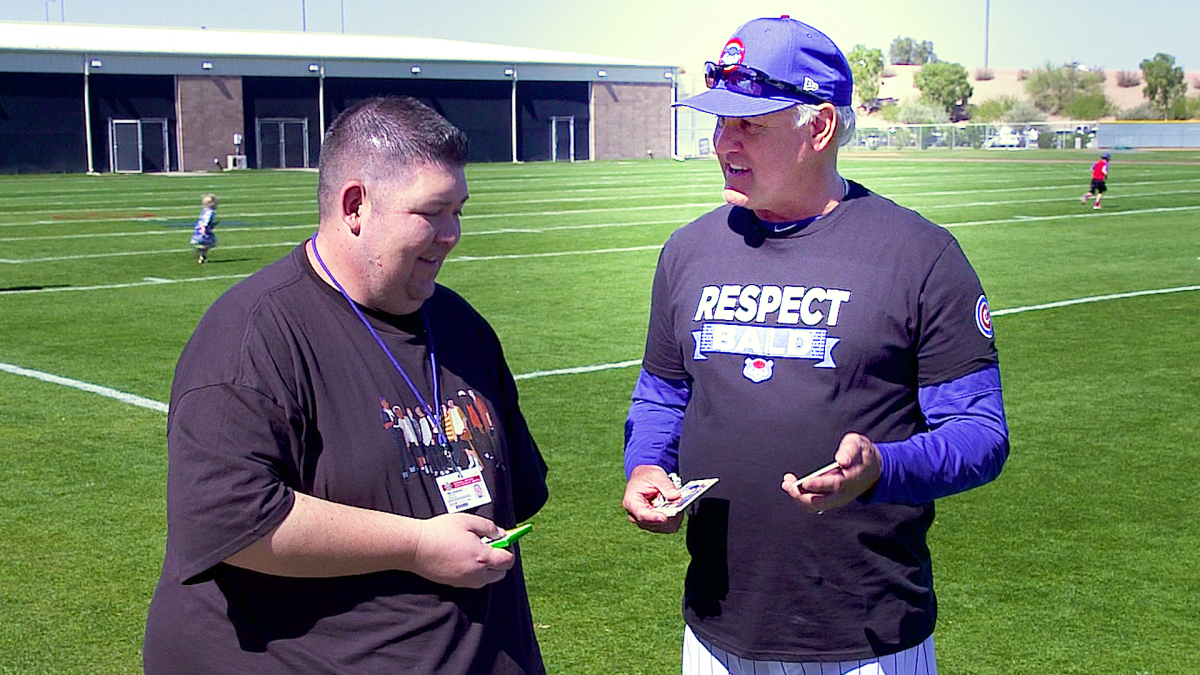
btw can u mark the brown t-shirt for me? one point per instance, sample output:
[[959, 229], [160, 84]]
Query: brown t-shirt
[[283, 389]]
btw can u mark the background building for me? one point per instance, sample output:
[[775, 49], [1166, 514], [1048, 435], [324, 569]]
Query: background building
[[79, 98]]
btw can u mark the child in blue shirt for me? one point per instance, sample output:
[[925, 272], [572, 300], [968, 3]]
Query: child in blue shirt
[[202, 236]]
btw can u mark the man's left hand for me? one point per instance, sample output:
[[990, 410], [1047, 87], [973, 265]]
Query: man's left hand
[[858, 470]]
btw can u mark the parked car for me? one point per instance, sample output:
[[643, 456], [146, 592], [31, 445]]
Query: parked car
[[1005, 139]]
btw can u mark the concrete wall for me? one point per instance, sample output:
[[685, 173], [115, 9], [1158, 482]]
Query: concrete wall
[[210, 113], [631, 119]]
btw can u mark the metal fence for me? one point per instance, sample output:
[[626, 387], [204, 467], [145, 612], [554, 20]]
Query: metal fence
[[694, 136], [1060, 135]]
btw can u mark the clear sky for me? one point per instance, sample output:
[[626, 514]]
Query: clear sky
[[1111, 34]]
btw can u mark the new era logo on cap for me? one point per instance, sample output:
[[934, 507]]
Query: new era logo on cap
[[811, 84]]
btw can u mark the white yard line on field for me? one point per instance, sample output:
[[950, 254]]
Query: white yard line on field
[[999, 221], [133, 399], [1086, 214], [578, 370], [146, 281], [466, 218], [460, 258], [121, 396], [552, 254], [123, 254], [469, 218], [572, 212], [178, 232], [1045, 200], [185, 221], [269, 228], [1094, 298], [117, 201], [1028, 188]]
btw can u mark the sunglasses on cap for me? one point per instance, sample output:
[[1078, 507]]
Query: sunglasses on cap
[[753, 82]]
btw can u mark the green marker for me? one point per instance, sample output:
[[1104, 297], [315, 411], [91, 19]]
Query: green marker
[[510, 536]]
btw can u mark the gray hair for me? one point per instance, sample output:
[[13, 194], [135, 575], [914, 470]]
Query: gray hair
[[378, 138], [846, 119]]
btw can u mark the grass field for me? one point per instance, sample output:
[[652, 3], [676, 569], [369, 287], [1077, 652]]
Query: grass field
[[1083, 557]]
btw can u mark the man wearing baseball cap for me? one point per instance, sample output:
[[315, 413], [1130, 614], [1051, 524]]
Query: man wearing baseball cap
[[808, 328]]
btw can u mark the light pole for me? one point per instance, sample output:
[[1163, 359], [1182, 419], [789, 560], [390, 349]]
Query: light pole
[[48, 9], [1071, 110], [987, 16], [1074, 65], [342, 6], [303, 17]]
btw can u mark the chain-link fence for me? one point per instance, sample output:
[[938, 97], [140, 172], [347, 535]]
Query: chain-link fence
[[694, 136], [1059, 135]]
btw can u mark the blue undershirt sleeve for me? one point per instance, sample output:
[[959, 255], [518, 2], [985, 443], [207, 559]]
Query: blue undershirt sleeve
[[965, 447], [654, 422]]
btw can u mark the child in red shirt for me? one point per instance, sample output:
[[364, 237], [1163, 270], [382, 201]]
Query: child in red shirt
[[1099, 175]]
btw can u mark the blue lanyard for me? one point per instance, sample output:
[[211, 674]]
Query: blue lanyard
[[441, 431]]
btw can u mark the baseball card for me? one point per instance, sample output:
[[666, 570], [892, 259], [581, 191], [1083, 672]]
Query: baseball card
[[687, 495], [823, 470]]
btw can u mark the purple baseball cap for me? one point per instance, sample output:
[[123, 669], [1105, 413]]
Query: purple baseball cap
[[786, 50]]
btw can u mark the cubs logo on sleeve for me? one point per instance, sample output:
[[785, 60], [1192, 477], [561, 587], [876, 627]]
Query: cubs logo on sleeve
[[983, 317]]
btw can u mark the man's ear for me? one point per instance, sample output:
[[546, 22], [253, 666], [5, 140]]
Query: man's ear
[[350, 205], [824, 127]]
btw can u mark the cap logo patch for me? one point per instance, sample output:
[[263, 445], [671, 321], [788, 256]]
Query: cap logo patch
[[810, 84], [983, 317], [733, 53], [758, 370]]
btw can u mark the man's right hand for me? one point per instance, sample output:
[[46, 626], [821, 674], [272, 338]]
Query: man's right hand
[[450, 550], [646, 483]]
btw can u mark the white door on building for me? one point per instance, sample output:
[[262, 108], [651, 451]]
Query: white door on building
[[562, 139], [138, 145]]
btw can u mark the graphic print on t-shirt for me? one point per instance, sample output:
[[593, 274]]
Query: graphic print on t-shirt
[[468, 427], [735, 321]]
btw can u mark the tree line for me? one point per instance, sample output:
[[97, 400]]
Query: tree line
[[1070, 89]]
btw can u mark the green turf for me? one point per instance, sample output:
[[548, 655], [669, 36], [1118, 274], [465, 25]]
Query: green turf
[[1081, 558]]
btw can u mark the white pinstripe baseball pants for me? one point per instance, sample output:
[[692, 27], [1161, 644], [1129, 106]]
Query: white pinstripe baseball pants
[[701, 658]]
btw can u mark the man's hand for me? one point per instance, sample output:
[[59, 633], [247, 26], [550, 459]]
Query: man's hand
[[450, 550], [646, 483], [858, 470]]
